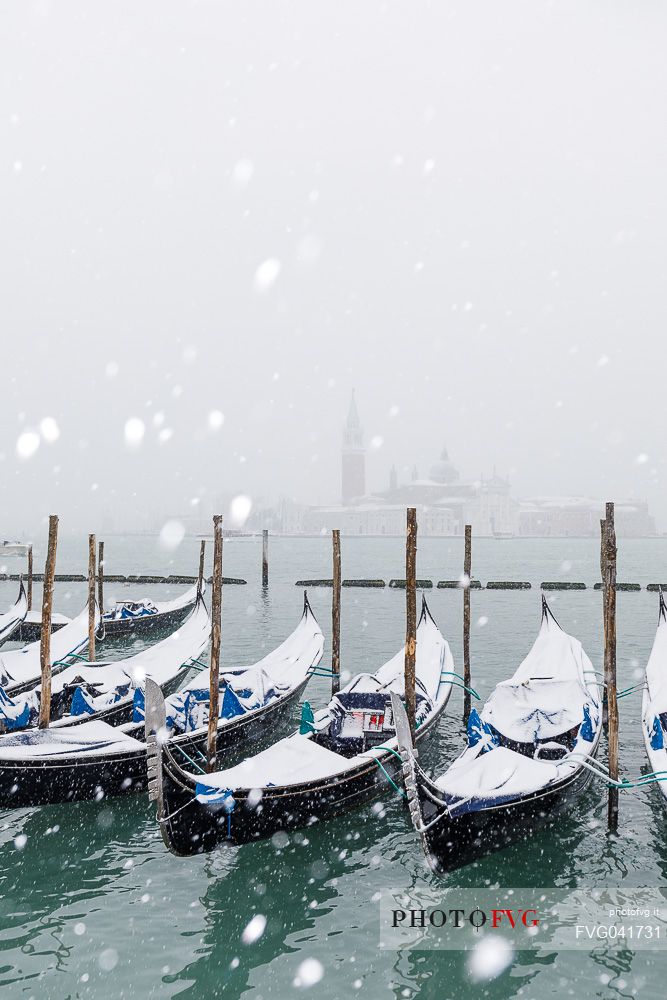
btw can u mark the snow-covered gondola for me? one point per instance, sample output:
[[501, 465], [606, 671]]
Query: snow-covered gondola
[[654, 703], [11, 621], [20, 669], [526, 757], [107, 690], [93, 759], [139, 617], [343, 755]]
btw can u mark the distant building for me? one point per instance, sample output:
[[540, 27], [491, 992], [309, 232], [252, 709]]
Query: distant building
[[445, 504], [353, 457], [579, 517]]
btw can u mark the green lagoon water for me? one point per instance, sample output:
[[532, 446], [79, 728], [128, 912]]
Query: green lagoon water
[[93, 905]]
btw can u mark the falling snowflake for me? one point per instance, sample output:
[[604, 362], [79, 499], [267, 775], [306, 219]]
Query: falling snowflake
[[254, 930], [266, 274], [49, 430], [309, 973], [216, 419], [134, 432], [172, 534], [27, 444], [239, 511]]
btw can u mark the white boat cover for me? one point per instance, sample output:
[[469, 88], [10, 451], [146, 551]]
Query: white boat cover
[[10, 621], [288, 762], [432, 652], [553, 691], [20, 665], [34, 617], [297, 758], [275, 675], [89, 739], [654, 702], [161, 607], [546, 695], [656, 668], [502, 771], [536, 710], [161, 661]]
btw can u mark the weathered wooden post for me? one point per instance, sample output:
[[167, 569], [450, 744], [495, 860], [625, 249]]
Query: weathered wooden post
[[100, 577], [609, 592], [216, 620], [603, 577], [30, 578], [411, 617], [47, 609], [467, 572], [91, 597], [265, 558], [335, 614], [200, 575]]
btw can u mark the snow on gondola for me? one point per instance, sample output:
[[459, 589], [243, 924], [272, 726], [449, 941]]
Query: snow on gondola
[[139, 617], [93, 759], [20, 669], [11, 621], [342, 755], [527, 755], [654, 703]]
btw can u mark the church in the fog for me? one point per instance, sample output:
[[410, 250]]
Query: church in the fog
[[444, 502]]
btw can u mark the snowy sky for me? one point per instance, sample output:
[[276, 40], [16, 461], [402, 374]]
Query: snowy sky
[[250, 208]]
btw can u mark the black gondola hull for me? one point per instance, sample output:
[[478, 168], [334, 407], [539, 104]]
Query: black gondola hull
[[46, 781], [453, 842], [191, 827], [146, 624]]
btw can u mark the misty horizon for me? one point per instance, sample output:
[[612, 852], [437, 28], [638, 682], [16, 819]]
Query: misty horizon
[[203, 255]]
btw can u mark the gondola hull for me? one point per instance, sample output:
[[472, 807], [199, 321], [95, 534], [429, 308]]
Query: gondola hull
[[33, 782], [146, 624], [453, 842], [191, 827]]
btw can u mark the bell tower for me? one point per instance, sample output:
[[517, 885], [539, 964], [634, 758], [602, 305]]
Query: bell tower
[[353, 457]]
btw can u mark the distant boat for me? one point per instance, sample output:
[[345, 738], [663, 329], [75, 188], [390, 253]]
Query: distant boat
[[13, 549]]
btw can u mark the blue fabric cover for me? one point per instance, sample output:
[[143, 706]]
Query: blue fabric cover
[[14, 715], [657, 736], [479, 731], [139, 705], [215, 796], [82, 703], [586, 730]]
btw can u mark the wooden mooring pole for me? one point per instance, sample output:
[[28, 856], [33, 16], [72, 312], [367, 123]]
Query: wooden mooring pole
[[200, 575], [100, 577], [216, 622], [265, 558], [609, 598], [335, 614], [411, 617], [29, 578], [92, 546], [47, 614], [467, 573]]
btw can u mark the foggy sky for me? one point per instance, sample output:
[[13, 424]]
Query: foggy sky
[[466, 202]]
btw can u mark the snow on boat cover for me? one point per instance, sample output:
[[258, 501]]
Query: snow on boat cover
[[94, 687], [12, 619], [20, 667], [654, 701], [245, 690], [550, 708], [300, 758]]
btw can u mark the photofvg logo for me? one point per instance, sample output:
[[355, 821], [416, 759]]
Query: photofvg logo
[[523, 919]]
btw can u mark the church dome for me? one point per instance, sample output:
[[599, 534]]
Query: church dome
[[443, 471]]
